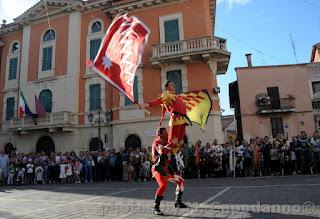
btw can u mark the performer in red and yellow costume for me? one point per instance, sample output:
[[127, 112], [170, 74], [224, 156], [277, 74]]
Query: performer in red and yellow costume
[[173, 104], [163, 172]]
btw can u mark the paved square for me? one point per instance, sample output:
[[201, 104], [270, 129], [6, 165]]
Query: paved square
[[266, 197]]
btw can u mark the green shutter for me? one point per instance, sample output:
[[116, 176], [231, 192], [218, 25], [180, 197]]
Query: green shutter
[[47, 59], [171, 30], [94, 48], [128, 102], [95, 97], [45, 98], [13, 66], [10, 108], [175, 77]]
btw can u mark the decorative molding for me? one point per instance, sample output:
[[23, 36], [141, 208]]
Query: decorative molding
[[120, 7]]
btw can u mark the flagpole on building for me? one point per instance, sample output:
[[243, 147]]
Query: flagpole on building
[[18, 95]]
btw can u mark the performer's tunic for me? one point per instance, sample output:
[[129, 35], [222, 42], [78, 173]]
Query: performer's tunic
[[178, 119]]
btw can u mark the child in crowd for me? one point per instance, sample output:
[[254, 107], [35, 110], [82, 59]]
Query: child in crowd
[[146, 168], [30, 171], [11, 171], [77, 166], [39, 171], [63, 175], [20, 174], [69, 171]]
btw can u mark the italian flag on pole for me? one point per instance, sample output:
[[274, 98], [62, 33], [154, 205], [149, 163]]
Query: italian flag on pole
[[24, 109]]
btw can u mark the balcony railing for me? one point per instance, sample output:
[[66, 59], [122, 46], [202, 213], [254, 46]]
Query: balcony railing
[[50, 120], [281, 105], [188, 47]]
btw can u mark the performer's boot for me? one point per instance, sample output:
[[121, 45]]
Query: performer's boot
[[178, 203], [157, 205], [159, 166]]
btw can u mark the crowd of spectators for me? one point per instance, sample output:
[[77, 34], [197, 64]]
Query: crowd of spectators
[[256, 157]]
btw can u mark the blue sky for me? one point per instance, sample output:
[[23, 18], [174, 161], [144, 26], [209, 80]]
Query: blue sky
[[260, 27]]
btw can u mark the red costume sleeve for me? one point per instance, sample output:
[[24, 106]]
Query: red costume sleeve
[[156, 102]]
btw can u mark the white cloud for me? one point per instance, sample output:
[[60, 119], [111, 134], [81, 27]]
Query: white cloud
[[231, 3], [10, 9]]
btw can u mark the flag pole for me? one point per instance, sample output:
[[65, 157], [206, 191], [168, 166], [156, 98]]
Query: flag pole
[[139, 106]]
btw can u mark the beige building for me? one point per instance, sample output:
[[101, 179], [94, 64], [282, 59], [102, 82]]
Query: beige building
[[49, 61], [269, 100], [314, 83]]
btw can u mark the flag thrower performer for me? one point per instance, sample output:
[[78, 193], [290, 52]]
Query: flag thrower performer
[[178, 119], [192, 106], [161, 148]]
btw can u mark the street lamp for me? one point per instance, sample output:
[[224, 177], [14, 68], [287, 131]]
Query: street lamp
[[99, 121]]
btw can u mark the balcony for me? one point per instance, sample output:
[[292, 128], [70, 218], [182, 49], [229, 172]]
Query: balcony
[[192, 51], [282, 105], [316, 104], [53, 122]]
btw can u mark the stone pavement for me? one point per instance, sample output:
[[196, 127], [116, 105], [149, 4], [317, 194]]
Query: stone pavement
[[264, 197]]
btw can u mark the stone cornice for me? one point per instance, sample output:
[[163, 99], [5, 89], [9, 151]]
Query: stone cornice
[[119, 7]]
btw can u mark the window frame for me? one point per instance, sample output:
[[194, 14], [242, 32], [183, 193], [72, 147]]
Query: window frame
[[13, 55], [6, 109], [91, 85], [139, 76], [43, 105], [43, 45], [93, 36], [281, 129], [175, 16], [184, 75]]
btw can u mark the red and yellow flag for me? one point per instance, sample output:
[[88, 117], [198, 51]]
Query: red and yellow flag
[[198, 105]]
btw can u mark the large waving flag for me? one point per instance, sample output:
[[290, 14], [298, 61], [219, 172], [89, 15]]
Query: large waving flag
[[198, 105], [120, 53], [24, 109]]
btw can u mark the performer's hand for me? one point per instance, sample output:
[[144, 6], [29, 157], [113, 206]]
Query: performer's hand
[[144, 105], [175, 141]]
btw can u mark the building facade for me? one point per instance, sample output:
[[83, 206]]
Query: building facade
[[44, 54], [272, 100], [314, 83]]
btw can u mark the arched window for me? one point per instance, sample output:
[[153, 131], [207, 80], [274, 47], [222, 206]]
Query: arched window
[[8, 148], [15, 47], [95, 145], [133, 141], [46, 144], [94, 39], [49, 35], [46, 100], [96, 27], [13, 61], [47, 54]]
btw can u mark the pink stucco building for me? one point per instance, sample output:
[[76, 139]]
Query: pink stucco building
[[269, 100]]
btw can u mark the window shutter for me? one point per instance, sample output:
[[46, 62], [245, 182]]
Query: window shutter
[[46, 100], [175, 77], [94, 48], [127, 101], [95, 97], [171, 29], [10, 108], [47, 59], [13, 65]]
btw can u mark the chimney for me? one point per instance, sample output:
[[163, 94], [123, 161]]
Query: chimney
[[249, 60]]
